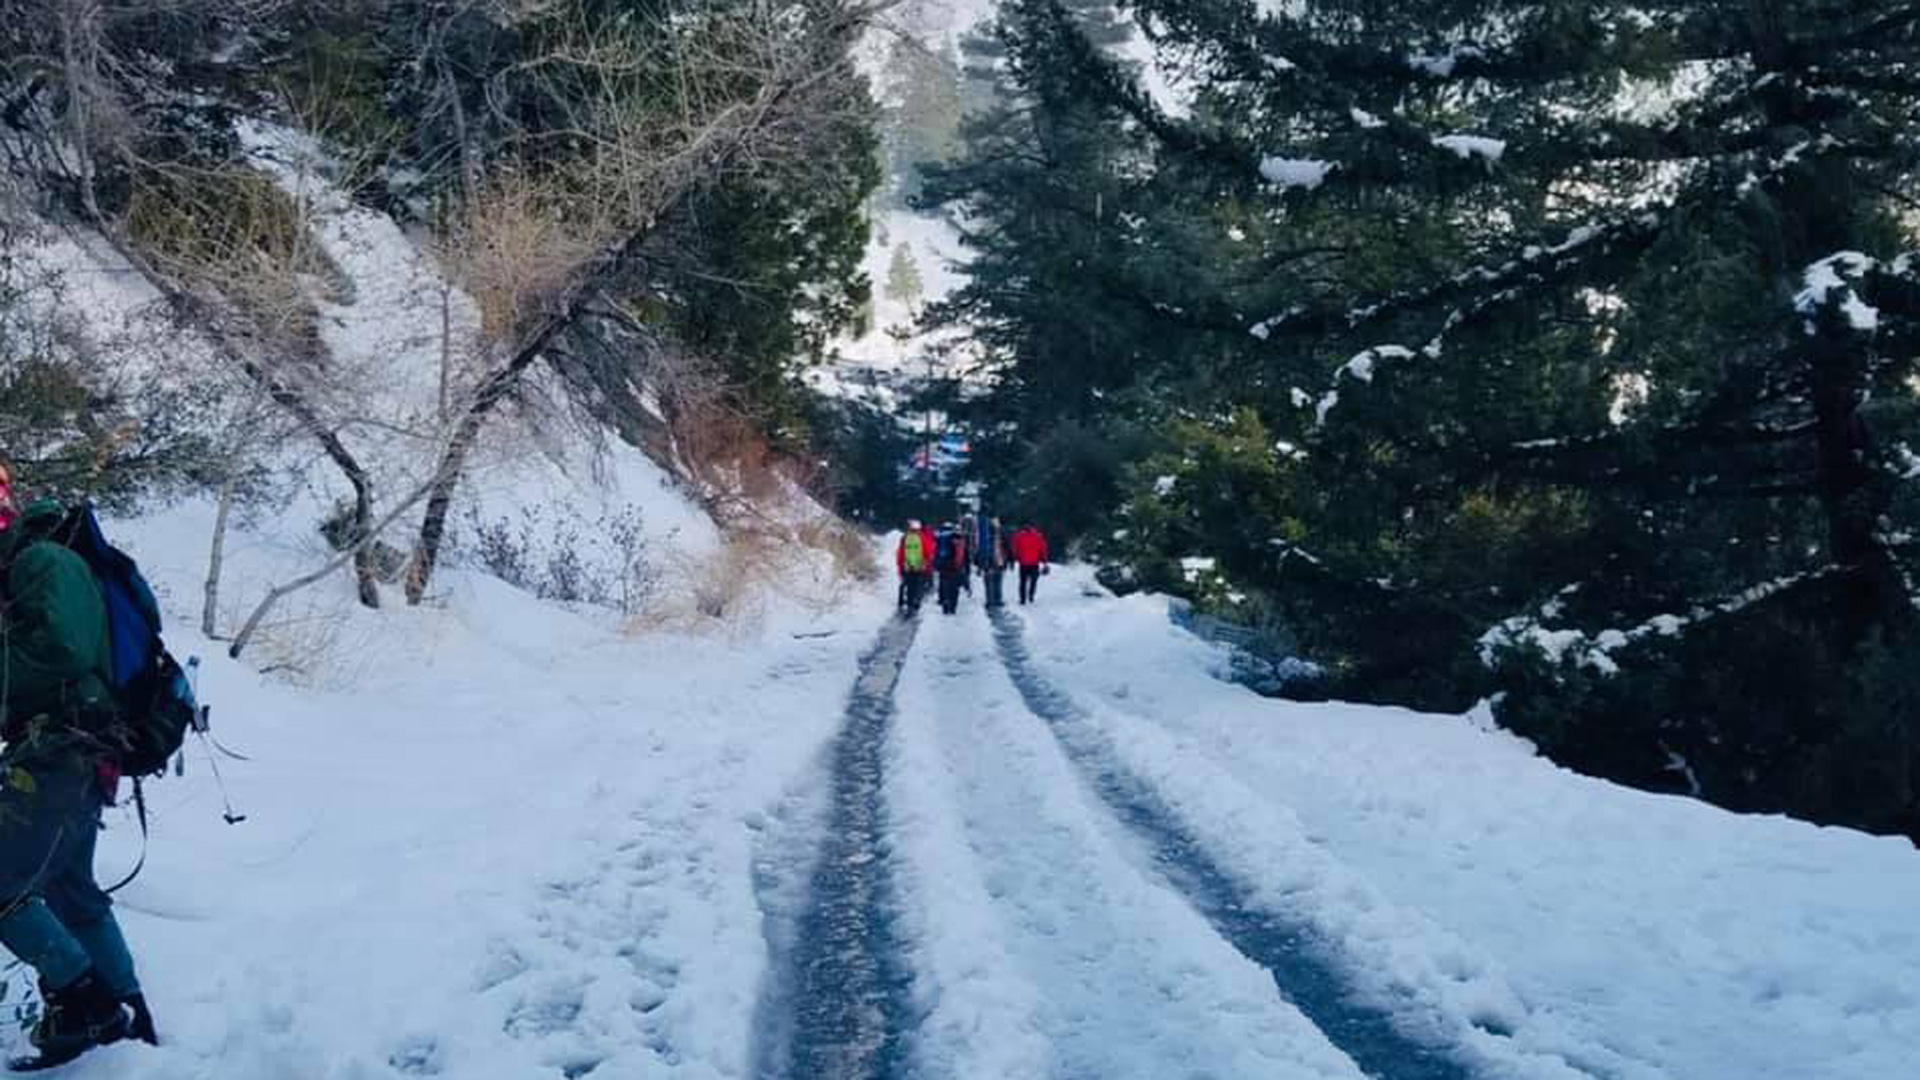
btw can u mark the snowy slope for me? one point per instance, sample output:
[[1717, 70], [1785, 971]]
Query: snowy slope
[[385, 338]]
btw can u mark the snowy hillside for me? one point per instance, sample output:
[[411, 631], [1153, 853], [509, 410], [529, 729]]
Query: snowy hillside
[[517, 843]]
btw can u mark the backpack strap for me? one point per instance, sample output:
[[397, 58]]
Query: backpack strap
[[140, 811]]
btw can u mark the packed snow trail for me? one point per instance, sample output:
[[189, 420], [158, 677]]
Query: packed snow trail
[[842, 989], [1047, 948], [1295, 957]]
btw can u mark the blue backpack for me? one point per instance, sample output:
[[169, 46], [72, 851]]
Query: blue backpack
[[945, 551], [154, 696]]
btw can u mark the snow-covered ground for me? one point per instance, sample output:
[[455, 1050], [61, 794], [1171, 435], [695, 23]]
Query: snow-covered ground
[[1049, 951], [1635, 935], [510, 840]]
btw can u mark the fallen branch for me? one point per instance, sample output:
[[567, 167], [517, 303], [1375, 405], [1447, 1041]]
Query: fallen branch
[[363, 543]]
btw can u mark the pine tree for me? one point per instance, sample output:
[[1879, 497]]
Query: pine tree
[[1058, 217], [903, 277], [923, 125], [1586, 347]]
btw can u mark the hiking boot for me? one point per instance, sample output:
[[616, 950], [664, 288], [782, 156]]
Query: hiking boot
[[141, 1027], [73, 1020]]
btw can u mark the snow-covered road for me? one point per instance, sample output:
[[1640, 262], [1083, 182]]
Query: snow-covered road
[[1124, 978], [1048, 846]]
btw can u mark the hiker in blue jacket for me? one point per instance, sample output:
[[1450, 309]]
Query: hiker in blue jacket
[[56, 772], [991, 555]]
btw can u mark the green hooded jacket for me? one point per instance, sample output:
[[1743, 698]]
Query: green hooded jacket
[[55, 658]]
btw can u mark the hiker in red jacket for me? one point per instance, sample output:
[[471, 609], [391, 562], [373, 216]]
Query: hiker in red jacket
[[1030, 552], [914, 559]]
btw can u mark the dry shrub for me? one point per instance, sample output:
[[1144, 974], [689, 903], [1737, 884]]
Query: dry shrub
[[720, 450], [724, 593], [779, 540], [516, 247], [316, 644], [851, 552], [232, 233]]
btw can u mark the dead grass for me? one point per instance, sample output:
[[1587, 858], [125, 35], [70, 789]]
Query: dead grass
[[515, 248], [232, 233]]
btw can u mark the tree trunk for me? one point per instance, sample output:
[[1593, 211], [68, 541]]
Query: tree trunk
[[453, 461], [79, 47], [195, 311], [274, 595], [1854, 493], [712, 151], [446, 350], [216, 556]]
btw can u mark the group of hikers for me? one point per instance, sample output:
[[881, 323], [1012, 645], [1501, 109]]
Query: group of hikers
[[945, 559], [60, 763]]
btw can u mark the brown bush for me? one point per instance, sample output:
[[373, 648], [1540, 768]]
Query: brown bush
[[516, 247]]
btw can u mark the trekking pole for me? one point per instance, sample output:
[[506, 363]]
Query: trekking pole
[[202, 725]]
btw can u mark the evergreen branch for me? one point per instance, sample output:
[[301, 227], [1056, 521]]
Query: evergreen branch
[[1525, 633], [1260, 44], [1871, 35], [1102, 75], [1485, 288]]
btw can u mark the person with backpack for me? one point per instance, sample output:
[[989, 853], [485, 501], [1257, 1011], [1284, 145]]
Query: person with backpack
[[950, 559], [991, 556], [60, 764], [914, 559], [1030, 551]]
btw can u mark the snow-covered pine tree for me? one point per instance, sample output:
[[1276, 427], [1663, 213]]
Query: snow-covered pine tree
[[904, 284], [1605, 399], [1071, 238]]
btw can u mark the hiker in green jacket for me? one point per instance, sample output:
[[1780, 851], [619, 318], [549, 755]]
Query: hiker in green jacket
[[56, 772]]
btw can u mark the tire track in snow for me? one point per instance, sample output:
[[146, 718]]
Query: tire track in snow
[[1091, 969], [1300, 963], [841, 996]]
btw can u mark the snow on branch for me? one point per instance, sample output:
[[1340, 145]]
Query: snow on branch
[[1829, 285], [1909, 462], [1528, 633], [1487, 286], [1535, 264], [1295, 172], [1468, 147], [1358, 369], [1443, 65]]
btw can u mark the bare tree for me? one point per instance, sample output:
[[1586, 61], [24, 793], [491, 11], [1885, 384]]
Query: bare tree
[[745, 86]]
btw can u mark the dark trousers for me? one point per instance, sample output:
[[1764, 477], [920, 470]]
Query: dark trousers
[[950, 590], [1029, 582], [56, 916], [995, 576], [913, 589]]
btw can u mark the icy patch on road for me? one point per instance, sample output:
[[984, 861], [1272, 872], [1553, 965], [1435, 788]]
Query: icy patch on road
[[845, 987]]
